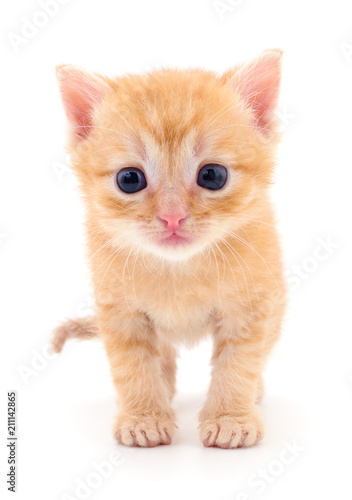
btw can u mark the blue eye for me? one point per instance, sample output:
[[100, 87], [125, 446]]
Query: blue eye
[[212, 176], [131, 180]]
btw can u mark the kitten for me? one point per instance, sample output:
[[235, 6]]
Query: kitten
[[175, 168]]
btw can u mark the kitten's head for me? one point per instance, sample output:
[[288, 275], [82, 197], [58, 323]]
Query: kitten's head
[[173, 161]]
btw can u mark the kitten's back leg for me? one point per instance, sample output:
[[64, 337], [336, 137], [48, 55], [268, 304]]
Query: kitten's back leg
[[169, 367]]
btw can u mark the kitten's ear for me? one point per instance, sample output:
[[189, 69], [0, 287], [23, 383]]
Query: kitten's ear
[[81, 92], [258, 84]]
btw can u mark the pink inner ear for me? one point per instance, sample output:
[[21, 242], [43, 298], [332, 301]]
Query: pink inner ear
[[259, 83], [80, 92]]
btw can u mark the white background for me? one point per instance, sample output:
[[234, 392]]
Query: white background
[[66, 405]]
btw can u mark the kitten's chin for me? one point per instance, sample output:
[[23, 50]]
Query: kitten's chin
[[175, 250]]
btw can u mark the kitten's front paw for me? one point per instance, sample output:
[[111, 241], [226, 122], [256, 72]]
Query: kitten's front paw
[[231, 432], [145, 431]]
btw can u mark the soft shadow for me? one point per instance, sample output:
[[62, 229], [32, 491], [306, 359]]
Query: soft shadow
[[284, 422]]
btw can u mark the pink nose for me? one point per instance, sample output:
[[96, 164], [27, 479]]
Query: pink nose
[[172, 221]]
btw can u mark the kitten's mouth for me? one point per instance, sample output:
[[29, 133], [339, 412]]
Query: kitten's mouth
[[174, 240]]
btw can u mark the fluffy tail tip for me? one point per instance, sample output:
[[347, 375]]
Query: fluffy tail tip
[[84, 328]]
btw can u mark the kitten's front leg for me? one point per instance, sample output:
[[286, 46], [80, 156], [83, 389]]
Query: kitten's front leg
[[145, 415], [230, 417]]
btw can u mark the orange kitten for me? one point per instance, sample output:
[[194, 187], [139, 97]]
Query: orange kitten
[[175, 167]]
